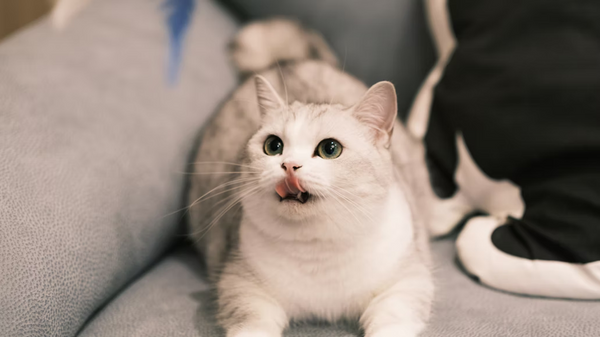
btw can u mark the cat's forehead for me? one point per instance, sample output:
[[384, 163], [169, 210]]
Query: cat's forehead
[[312, 119], [314, 113]]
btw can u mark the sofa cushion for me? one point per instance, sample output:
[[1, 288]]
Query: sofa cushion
[[376, 40], [173, 299], [93, 144]]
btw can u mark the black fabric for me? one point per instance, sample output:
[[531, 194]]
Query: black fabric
[[561, 220], [523, 86], [441, 158]]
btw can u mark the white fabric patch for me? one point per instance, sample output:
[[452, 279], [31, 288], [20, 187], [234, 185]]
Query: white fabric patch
[[518, 275]]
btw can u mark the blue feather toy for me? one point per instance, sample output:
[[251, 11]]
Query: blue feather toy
[[179, 15]]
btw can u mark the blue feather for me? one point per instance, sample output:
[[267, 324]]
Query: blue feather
[[179, 15]]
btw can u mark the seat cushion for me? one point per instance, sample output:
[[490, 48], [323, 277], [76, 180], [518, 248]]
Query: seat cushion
[[173, 299], [93, 143], [375, 40]]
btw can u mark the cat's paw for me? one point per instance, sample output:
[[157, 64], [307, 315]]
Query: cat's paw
[[395, 330]]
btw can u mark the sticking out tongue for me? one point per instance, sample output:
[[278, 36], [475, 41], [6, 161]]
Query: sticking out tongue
[[290, 186]]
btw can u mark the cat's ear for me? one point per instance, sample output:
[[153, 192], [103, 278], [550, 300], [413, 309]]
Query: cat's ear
[[378, 109], [268, 98]]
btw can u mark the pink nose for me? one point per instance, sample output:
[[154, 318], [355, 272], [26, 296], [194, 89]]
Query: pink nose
[[294, 166]]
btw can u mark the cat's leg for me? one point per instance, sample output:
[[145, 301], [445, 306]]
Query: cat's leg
[[245, 307], [403, 309]]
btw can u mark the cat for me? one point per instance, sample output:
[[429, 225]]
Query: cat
[[303, 201]]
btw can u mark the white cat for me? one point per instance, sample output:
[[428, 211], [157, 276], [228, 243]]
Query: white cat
[[327, 227]]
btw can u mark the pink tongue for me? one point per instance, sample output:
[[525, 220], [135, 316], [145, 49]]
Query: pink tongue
[[289, 185]]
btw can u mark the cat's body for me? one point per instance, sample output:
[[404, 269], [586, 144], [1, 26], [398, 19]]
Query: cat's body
[[345, 241]]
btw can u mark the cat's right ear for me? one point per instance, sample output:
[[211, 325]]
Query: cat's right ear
[[377, 110], [268, 98]]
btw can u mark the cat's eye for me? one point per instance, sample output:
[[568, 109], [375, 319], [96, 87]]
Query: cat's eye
[[329, 149], [273, 146]]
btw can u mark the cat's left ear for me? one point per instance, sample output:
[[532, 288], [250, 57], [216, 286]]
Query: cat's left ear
[[378, 109], [268, 98]]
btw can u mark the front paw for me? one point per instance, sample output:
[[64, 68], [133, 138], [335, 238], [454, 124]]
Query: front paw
[[395, 330]]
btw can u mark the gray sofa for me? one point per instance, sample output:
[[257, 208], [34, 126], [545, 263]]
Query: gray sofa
[[94, 147]]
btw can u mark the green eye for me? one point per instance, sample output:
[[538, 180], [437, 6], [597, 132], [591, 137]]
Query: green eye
[[273, 146], [329, 149]]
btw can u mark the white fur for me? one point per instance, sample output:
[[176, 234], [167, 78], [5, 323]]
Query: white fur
[[334, 278]]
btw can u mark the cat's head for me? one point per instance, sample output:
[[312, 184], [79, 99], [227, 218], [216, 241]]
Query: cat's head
[[320, 161]]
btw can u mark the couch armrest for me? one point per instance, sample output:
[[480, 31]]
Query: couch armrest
[[93, 144]]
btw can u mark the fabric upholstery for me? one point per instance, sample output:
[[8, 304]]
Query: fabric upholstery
[[93, 144], [174, 300], [376, 40]]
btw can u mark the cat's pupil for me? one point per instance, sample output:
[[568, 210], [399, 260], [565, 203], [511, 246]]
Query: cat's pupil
[[275, 145], [329, 147]]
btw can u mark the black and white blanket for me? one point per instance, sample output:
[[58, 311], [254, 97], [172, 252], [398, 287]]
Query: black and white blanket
[[511, 121]]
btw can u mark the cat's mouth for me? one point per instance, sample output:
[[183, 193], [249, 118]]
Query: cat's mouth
[[291, 189], [300, 197]]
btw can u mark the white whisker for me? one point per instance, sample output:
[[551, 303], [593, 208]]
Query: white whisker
[[347, 209], [353, 202], [218, 172], [225, 163], [335, 192], [225, 209], [287, 102], [242, 185], [229, 183], [233, 182]]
